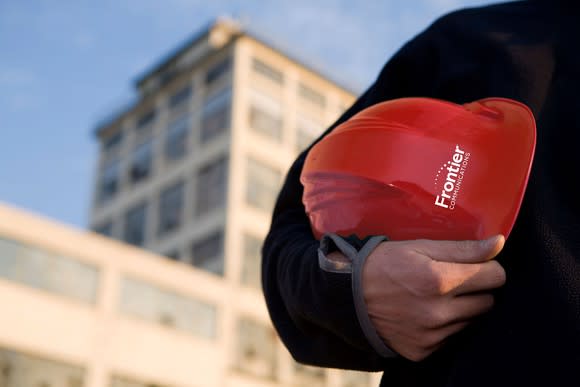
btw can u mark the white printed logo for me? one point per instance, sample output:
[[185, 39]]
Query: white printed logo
[[453, 172]]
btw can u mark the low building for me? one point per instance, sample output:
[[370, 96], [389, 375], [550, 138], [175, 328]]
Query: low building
[[82, 310]]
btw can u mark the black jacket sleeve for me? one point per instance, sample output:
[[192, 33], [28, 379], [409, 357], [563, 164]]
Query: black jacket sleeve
[[313, 310]]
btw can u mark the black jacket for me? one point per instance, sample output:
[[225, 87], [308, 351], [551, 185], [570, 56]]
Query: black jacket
[[528, 51]]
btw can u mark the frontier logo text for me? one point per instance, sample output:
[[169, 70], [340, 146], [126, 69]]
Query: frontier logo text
[[455, 169]]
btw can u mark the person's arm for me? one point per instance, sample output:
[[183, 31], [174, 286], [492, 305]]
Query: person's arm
[[314, 310]]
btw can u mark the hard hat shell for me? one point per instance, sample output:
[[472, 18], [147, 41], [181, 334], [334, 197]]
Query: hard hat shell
[[416, 168]]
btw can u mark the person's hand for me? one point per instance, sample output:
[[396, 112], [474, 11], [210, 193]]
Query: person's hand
[[420, 292]]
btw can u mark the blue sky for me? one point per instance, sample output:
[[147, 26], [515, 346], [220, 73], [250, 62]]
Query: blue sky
[[67, 63]]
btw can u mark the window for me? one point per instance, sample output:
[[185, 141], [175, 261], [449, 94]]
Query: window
[[141, 162], [216, 115], [105, 229], [167, 76], [146, 119], [48, 271], [266, 116], [262, 185], [135, 225], [251, 265], [256, 349], [303, 140], [311, 95], [174, 255], [217, 71], [355, 379], [22, 370], [166, 307], [171, 208], [109, 182], [180, 97], [113, 142], [176, 138], [208, 253], [124, 382], [211, 186], [307, 131], [309, 376], [267, 71]]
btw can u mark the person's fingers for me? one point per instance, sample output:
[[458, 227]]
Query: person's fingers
[[419, 346], [462, 278], [456, 309], [479, 277], [465, 308], [460, 251]]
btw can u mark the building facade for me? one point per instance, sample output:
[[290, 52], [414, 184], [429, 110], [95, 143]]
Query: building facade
[[190, 171], [81, 310]]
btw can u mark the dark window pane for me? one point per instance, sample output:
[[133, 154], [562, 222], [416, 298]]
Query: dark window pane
[[113, 142], [146, 119], [174, 255], [181, 96], [267, 71], [135, 225], [263, 184], [211, 186], [176, 138], [217, 71], [109, 182], [311, 95], [171, 208], [208, 253], [216, 115], [105, 229], [167, 76], [141, 162]]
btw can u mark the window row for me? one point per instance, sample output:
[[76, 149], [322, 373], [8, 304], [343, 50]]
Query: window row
[[48, 271], [256, 354], [305, 92], [79, 281], [210, 193], [175, 101], [265, 117], [262, 186], [176, 144]]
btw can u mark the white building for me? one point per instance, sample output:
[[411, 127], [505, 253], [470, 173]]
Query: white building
[[81, 310], [190, 171]]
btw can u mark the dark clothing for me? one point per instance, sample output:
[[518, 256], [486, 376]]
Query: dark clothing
[[528, 51]]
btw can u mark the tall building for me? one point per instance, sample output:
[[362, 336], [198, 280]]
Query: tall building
[[190, 171]]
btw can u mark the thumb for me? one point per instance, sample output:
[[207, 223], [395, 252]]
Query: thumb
[[468, 251]]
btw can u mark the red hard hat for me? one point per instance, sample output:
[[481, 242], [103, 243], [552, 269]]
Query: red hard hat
[[416, 168]]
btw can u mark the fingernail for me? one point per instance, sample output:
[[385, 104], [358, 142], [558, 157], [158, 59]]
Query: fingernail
[[491, 242]]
